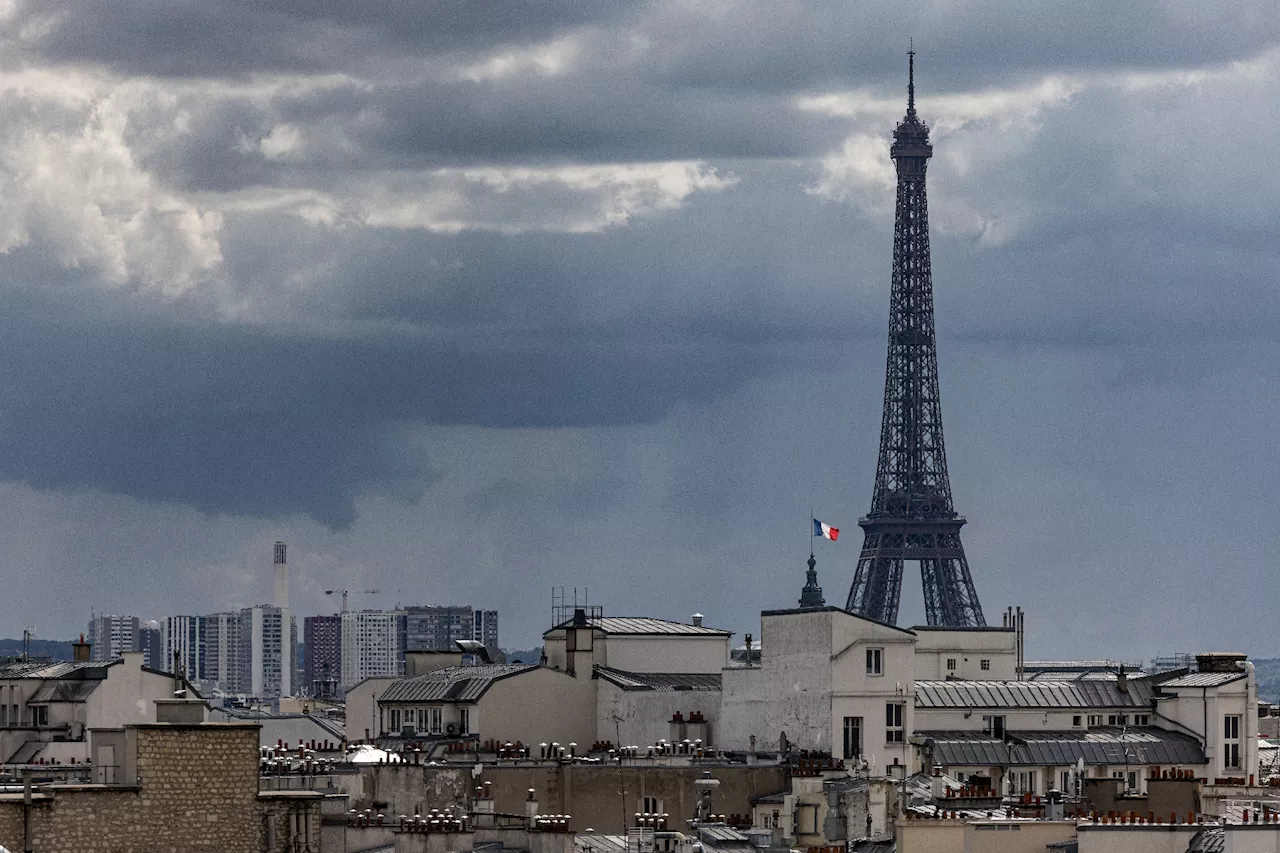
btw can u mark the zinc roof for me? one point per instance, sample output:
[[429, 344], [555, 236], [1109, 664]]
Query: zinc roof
[[1212, 840], [1203, 679], [660, 680], [1110, 745], [647, 625], [452, 683], [1085, 693], [51, 669], [593, 843], [77, 690]]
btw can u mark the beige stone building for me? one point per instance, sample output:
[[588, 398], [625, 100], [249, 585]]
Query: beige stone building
[[46, 708], [628, 681]]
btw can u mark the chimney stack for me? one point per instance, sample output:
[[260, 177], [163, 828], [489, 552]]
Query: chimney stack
[[282, 578], [80, 652]]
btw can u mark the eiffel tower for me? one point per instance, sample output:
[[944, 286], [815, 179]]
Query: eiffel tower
[[912, 517]]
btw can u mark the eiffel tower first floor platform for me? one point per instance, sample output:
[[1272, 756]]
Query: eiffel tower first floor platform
[[949, 596]]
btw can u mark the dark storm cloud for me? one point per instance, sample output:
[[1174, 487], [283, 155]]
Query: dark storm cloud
[[235, 38], [238, 421]]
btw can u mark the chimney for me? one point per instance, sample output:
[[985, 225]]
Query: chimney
[[579, 617], [1122, 679], [80, 652], [531, 808], [697, 620], [282, 577]]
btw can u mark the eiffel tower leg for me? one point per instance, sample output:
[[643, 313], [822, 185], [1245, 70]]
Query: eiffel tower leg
[[877, 583], [935, 595], [962, 598]]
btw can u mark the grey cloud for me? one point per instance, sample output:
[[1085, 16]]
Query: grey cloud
[[444, 410], [237, 38]]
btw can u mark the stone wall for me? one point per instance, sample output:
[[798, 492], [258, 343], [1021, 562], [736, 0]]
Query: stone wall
[[291, 821], [196, 790]]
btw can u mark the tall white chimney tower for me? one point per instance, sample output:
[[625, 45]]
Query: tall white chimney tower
[[282, 578]]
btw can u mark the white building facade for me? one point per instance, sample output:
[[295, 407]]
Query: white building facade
[[268, 638], [370, 645]]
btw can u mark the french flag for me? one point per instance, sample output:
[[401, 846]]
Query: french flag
[[826, 531]]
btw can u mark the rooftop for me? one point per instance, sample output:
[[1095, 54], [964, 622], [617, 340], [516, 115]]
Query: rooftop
[[55, 669], [644, 625], [452, 683], [1203, 679], [1083, 694], [1107, 746], [660, 680]]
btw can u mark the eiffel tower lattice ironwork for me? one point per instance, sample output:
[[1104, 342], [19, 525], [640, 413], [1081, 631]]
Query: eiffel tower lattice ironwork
[[912, 517]]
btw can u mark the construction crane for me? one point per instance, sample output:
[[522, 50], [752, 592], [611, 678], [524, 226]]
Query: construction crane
[[346, 592]]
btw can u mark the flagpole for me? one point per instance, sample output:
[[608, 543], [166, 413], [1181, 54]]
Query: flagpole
[[811, 530]]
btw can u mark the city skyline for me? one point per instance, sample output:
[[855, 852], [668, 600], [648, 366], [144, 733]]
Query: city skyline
[[467, 305]]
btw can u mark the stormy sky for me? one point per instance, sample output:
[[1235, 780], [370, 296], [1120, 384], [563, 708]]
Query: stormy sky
[[469, 300]]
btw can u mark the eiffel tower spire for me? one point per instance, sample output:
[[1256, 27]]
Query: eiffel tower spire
[[912, 517]]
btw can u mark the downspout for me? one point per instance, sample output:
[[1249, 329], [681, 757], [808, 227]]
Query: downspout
[[1251, 724], [26, 812], [1204, 698]]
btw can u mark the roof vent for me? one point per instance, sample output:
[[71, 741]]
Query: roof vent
[[697, 620]]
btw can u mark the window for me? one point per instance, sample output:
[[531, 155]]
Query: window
[[1024, 781], [41, 715], [1077, 720], [434, 720], [1095, 719], [1118, 720], [1142, 719], [984, 664], [464, 721], [875, 661], [651, 805], [395, 719], [893, 723], [852, 737], [993, 725], [1231, 738], [1066, 782], [1132, 781], [951, 664]]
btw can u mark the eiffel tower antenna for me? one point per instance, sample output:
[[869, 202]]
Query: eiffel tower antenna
[[912, 517]]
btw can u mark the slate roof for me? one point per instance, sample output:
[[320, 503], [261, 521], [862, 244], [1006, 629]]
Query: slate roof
[[1107, 745], [660, 680], [644, 625], [452, 683], [1083, 694]]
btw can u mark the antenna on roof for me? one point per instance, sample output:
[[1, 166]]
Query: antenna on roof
[[911, 77]]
